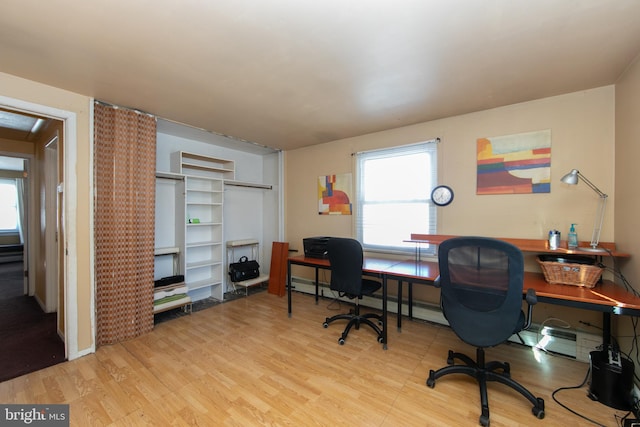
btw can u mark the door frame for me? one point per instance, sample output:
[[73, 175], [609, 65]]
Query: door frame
[[69, 187], [51, 224]]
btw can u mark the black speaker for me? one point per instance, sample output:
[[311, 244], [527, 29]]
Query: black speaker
[[611, 379]]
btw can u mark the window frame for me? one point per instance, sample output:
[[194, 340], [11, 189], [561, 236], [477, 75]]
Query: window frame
[[428, 147]]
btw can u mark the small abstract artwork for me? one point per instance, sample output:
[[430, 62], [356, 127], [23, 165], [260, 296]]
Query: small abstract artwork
[[333, 194], [514, 164]]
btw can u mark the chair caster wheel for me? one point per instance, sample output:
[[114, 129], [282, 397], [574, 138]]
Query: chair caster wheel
[[341, 341], [380, 340], [450, 360], [484, 421], [538, 410], [431, 382]]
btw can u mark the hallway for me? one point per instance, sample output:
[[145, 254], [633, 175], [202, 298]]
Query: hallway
[[28, 335]]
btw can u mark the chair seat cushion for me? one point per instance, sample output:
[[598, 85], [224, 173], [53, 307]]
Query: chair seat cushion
[[370, 286]]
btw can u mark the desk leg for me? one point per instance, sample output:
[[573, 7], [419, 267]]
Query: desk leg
[[289, 288], [399, 310], [410, 302], [384, 312], [317, 269]]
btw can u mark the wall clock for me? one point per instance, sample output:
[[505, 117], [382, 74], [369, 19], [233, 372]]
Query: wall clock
[[442, 195]]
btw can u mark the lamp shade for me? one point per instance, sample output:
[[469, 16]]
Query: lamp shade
[[571, 178]]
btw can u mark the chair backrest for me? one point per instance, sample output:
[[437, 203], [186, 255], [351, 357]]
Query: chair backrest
[[481, 283], [345, 257]]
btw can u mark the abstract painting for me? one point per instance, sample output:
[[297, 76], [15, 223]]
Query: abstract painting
[[333, 194], [514, 164]]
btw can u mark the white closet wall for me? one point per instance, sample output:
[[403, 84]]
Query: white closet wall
[[249, 213]]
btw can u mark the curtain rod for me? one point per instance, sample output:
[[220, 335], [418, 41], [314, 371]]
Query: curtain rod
[[135, 110], [234, 138], [97, 101], [436, 140]]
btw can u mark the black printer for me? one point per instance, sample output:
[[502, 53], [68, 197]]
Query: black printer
[[315, 247]]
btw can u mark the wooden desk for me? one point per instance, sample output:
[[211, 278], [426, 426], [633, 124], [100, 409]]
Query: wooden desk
[[606, 297], [529, 245]]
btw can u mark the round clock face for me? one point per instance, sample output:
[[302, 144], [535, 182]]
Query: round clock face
[[442, 195]]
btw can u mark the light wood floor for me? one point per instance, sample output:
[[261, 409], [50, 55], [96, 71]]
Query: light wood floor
[[245, 363]]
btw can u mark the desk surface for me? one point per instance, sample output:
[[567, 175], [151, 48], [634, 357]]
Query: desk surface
[[370, 264], [606, 296], [528, 245]]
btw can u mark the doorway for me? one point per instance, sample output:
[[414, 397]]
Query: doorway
[[34, 323]]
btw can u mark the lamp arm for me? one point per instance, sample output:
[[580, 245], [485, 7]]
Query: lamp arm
[[591, 186], [597, 226]]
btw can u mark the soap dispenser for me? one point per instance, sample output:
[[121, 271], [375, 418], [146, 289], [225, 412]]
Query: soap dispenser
[[572, 239]]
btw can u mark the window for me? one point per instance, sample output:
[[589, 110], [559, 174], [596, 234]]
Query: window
[[8, 205], [393, 195]]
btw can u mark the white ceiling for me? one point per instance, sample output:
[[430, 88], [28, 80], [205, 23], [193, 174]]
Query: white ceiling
[[292, 73]]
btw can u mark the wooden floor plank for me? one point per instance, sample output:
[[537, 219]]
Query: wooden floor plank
[[245, 363]]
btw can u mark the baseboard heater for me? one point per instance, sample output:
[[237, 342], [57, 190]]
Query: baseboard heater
[[567, 342]]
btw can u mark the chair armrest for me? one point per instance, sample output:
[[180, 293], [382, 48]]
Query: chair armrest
[[532, 298]]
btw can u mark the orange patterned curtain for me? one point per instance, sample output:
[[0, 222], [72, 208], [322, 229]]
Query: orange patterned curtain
[[124, 222]]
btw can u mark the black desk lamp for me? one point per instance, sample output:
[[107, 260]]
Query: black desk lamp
[[572, 179]]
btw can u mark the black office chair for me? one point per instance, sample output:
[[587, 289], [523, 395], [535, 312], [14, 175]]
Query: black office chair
[[481, 281], [345, 257]]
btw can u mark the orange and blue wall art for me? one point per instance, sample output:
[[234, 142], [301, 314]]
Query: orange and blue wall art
[[515, 164], [333, 194]]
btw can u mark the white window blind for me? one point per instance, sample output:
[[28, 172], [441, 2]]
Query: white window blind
[[393, 195]]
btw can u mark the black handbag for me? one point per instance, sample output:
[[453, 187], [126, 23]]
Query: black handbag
[[244, 270]]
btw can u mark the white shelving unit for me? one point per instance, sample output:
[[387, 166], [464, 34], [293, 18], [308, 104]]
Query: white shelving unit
[[203, 235], [204, 225], [201, 165], [249, 245]]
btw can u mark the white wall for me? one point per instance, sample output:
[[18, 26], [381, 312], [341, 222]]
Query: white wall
[[583, 137]]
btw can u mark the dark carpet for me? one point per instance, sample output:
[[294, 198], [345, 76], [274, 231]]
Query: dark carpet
[[29, 337]]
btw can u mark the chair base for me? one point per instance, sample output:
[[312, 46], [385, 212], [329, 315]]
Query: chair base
[[483, 372], [356, 319]]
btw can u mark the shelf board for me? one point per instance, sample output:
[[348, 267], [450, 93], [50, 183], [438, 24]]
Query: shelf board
[[203, 284], [239, 243], [195, 166], [202, 244], [204, 203], [260, 279], [166, 251], [201, 264], [158, 308], [203, 224]]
